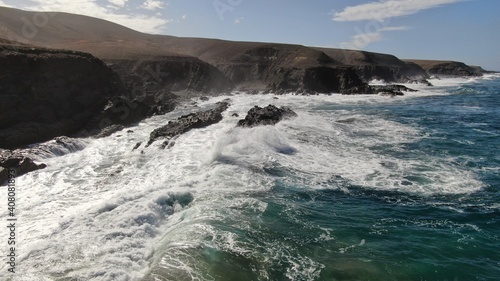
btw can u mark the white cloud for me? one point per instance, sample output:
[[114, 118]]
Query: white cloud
[[362, 40], [238, 20], [385, 9], [378, 15], [394, 28], [140, 22], [184, 17], [119, 3], [152, 5]]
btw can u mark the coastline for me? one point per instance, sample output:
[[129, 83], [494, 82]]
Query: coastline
[[224, 198], [92, 85]]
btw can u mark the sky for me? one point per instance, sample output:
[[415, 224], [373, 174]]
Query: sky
[[461, 30]]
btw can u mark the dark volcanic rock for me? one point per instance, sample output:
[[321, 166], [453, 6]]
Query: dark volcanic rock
[[48, 93], [391, 90], [22, 160], [268, 115], [342, 80], [18, 162], [377, 66], [108, 131], [119, 112], [419, 81], [187, 122], [391, 93], [167, 77]]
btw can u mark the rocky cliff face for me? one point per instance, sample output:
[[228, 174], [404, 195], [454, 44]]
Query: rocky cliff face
[[280, 67], [47, 93], [377, 66], [166, 77], [320, 80]]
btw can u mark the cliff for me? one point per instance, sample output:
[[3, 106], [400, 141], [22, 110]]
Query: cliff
[[377, 66], [47, 93]]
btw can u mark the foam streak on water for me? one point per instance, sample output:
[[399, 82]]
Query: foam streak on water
[[228, 203]]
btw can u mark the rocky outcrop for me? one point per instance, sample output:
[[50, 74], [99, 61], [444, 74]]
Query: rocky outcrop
[[448, 68], [48, 93], [268, 115], [18, 163], [24, 160], [186, 123], [391, 90], [121, 111]]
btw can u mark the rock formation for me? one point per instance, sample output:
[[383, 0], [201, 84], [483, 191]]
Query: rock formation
[[268, 115], [18, 162], [391, 90], [186, 123], [24, 160]]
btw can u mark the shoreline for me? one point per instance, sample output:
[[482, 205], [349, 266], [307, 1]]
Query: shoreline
[[31, 153]]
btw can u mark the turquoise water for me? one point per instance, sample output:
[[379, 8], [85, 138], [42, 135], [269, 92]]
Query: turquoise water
[[420, 228]]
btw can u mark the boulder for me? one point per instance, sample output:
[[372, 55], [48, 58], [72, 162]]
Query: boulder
[[268, 115]]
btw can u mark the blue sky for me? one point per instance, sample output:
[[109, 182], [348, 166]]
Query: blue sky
[[463, 30]]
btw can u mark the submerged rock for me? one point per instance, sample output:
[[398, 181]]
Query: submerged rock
[[185, 123], [268, 115]]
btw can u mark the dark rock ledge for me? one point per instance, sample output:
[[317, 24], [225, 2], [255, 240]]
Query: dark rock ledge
[[391, 90], [186, 123], [24, 160], [18, 162]]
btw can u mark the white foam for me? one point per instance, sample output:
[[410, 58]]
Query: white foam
[[377, 82], [103, 212], [457, 81]]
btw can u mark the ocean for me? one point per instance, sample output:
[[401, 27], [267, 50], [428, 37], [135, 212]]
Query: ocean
[[354, 188]]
